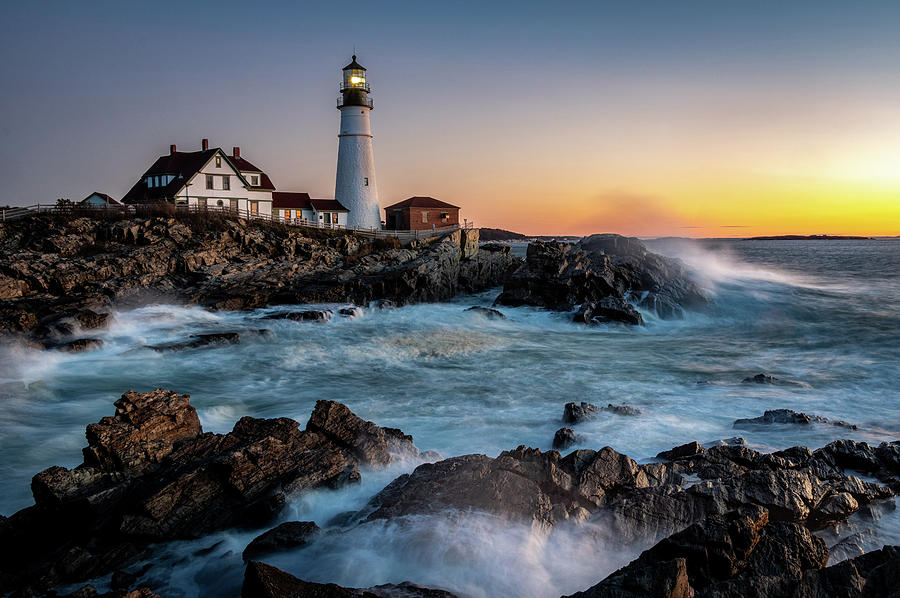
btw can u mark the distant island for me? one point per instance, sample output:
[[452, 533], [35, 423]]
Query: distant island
[[498, 234], [808, 238]]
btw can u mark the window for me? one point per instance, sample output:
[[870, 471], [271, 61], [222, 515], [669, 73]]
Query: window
[[218, 162], [209, 181], [220, 203], [201, 201], [226, 182], [365, 181], [254, 180], [149, 181], [445, 215], [424, 216], [254, 207], [234, 204]]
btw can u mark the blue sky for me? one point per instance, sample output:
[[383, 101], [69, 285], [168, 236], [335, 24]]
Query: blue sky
[[474, 102]]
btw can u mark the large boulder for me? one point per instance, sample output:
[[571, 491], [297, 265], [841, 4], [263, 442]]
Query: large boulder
[[560, 276]]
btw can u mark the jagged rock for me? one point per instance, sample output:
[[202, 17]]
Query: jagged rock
[[559, 276], [564, 438], [89, 319], [291, 534], [788, 416], [874, 574], [351, 312], [608, 309], [739, 553], [200, 340], [150, 474], [265, 581], [760, 379], [576, 412], [487, 312], [684, 451]]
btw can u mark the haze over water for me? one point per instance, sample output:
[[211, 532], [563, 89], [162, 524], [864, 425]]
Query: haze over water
[[823, 317]]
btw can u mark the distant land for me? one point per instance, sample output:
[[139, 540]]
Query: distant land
[[499, 234], [809, 238]]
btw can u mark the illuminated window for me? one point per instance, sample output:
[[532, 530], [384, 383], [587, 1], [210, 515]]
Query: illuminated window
[[366, 181], [209, 181], [218, 161]]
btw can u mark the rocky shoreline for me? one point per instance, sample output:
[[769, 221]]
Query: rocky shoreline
[[60, 277], [721, 521]]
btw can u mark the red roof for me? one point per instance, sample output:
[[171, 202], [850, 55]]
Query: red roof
[[245, 166], [327, 205], [293, 201], [421, 202], [289, 200]]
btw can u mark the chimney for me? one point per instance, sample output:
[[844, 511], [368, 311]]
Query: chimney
[[205, 144], [236, 152], [172, 149]]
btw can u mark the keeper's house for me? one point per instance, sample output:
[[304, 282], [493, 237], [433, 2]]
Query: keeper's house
[[420, 213], [207, 178]]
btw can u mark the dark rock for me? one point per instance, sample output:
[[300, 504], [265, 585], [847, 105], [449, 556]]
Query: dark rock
[[760, 379], [739, 553], [265, 581], [351, 312], [564, 438], [560, 276], [150, 474], [291, 534], [382, 304], [200, 340], [487, 312], [89, 319], [575, 412], [310, 315], [684, 451], [874, 574], [608, 309], [78, 345], [788, 416]]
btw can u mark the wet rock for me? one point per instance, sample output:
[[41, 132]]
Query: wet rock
[[291, 534], [351, 312], [89, 319], [684, 451], [575, 412], [876, 573], [265, 581], [788, 416], [150, 474], [560, 276], [564, 438], [200, 340], [608, 309], [739, 553], [78, 345], [760, 379], [122, 580], [382, 304], [487, 312]]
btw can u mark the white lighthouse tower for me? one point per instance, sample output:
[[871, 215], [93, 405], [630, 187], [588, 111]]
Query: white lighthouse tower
[[355, 185]]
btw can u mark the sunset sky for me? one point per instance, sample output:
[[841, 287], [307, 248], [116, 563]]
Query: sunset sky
[[671, 118]]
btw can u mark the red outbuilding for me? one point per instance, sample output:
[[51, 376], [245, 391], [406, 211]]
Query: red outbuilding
[[420, 213]]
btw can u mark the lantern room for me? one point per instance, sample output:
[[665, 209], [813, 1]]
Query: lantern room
[[354, 87]]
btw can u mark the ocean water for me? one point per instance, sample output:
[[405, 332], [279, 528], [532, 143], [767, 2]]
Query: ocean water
[[821, 316]]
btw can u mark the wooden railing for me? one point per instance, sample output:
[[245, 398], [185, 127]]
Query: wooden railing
[[76, 209]]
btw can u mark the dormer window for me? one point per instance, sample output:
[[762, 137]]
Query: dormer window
[[254, 180], [218, 161]]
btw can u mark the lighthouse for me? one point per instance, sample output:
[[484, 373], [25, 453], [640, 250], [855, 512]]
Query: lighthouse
[[355, 182]]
